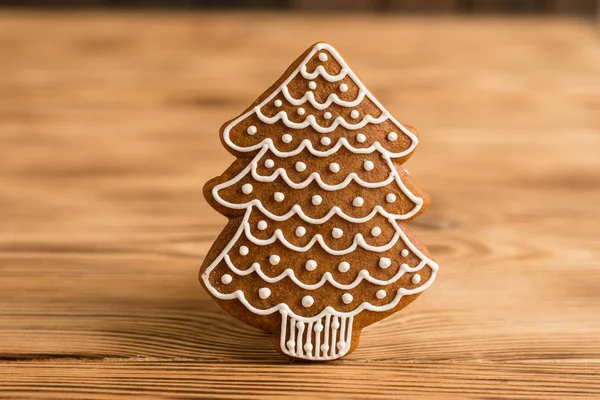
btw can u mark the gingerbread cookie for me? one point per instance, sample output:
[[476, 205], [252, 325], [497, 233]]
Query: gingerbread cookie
[[316, 248]]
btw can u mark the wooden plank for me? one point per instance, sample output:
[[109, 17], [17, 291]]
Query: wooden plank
[[109, 128]]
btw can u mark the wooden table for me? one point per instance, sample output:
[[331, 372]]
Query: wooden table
[[109, 129]]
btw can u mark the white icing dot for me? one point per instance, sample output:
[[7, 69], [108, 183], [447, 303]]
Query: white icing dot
[[251, 130], [380, 294], [286, 138], [319, 327], [404, 253], [334, 167], [307, 301], [262, 225], [335, 324], [308, 347], [274, 259], [226, 279], [325, 141], [291, 344], [269, 163], [324, 348], [279, 196], [264, 293], [404, 266], [299, 324], [358, 202], [337, 233], [247, 188], [244, 251], [327, 115], [354, 114], [376, 231], [301, 111], [312, 85], [368, 165], [341, 344], [390, 197], [385, 262], [416, 278], [310, 265], [343, 87], [360, 138], [316, 199], [392, 136], [300, 166], [344, 266], [300, 231], [278, 103], [323, 57]]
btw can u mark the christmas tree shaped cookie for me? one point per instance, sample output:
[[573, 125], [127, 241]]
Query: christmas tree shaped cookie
[[316, 248]]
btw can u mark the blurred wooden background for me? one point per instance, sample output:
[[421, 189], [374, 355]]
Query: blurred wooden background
[[109, 128], [587, 8]]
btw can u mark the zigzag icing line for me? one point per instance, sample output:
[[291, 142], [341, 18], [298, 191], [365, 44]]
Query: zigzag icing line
[[238, 294], [320, 70], [326, 277], [332, 98], [312, 121]]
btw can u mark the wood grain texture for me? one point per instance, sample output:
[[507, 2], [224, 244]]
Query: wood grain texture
[[108, 125]]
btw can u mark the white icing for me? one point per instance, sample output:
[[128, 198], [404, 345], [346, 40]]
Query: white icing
[[358, 202], [327, 277], [247, 188], [274, 259], [390, 197], [368, 165], [287, 138], [244, 250], [385, 262], [310, 120], [344, 266], [330, 329], [301, 111], [312, 85], [226, 279], [347, 298], [278, 103], [310, 265], [380, 294], [300, 231], [331, 99], [269, 163], [307, 301], [376, 231], [343, 88], [404, 253], [327, 115], [262, 225], [416, 279], [337, 233], [251, 130], [264, 293], [325, 141], [278, 196], [296, 209], [392, 136], [334, 167], [323, 57], [300, 166]]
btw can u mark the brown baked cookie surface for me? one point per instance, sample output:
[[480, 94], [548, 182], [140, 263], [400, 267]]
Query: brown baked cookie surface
[[316, 247]]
